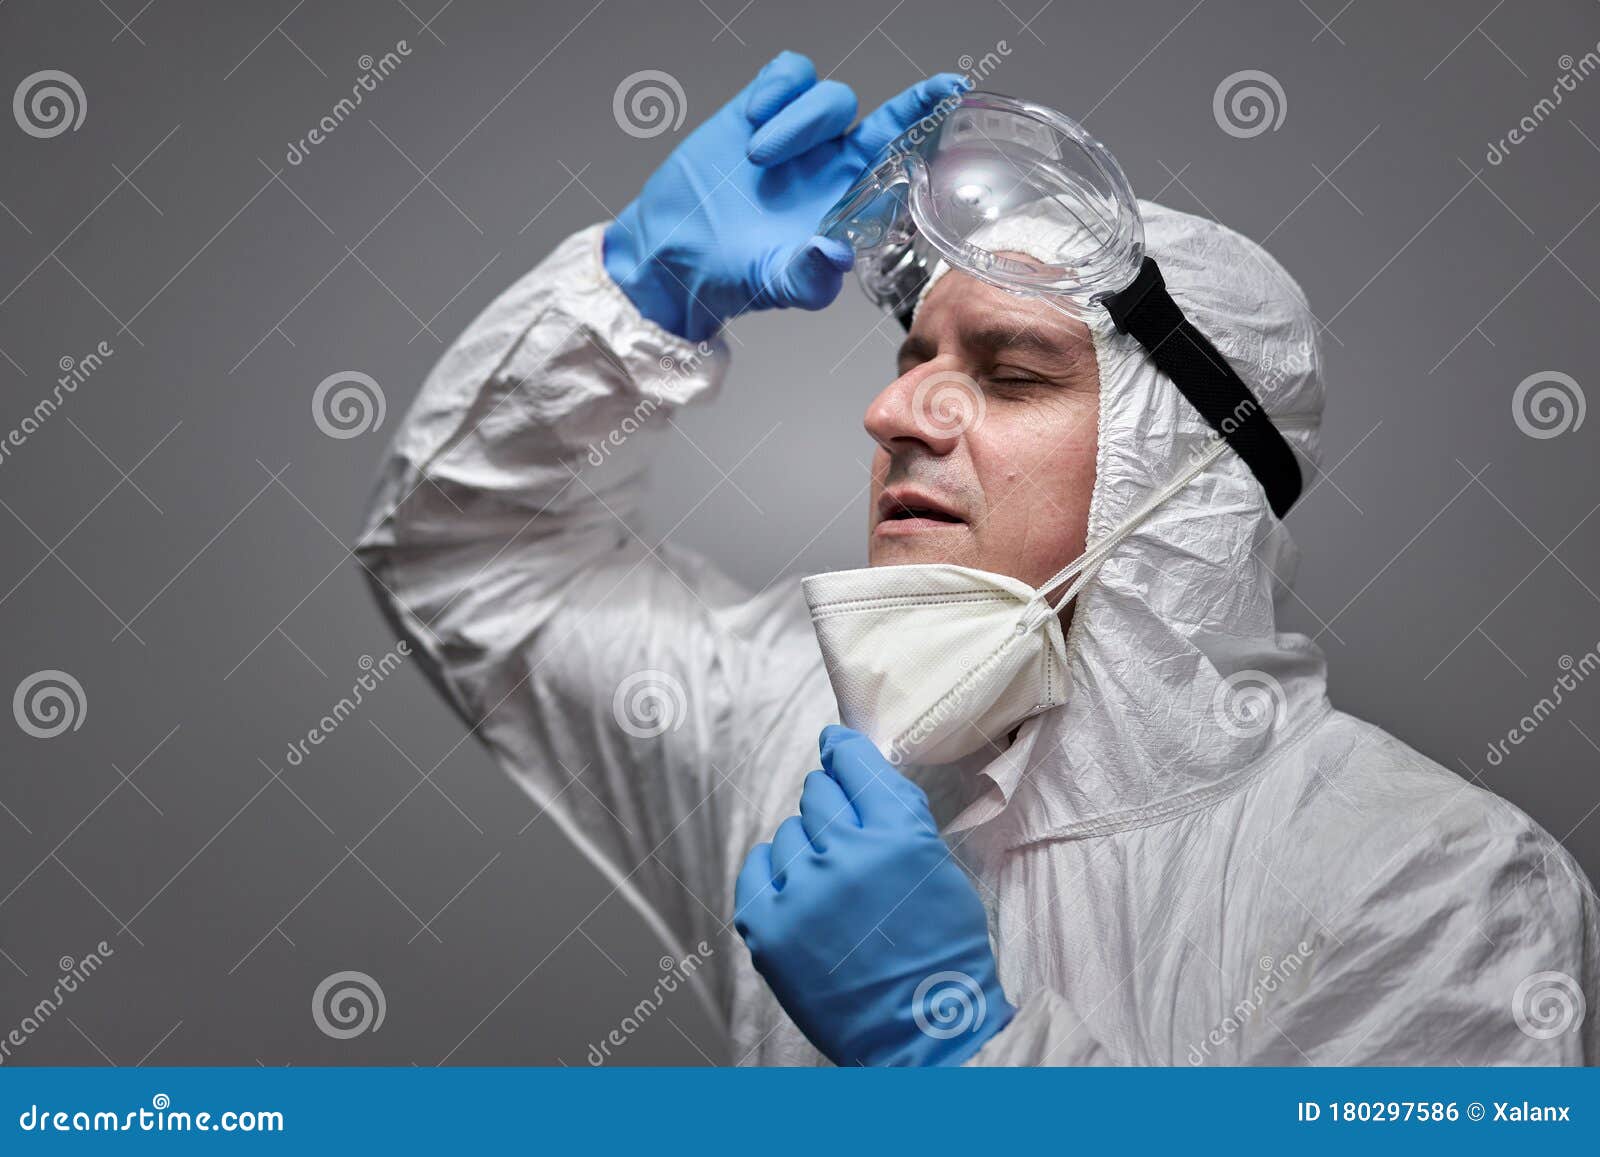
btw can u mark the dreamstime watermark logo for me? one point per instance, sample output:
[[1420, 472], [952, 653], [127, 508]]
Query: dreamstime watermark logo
[[650, 703], [1276, 367], [375, 672], [49, 103], [673, 973], [1225, 429], [1547, 1004], [348, 1004], [372, 73], [1576, 672], [161, 1117], [973, 71], [947, 404], [976, 71], [1248, 703], [1572, 73], [74, 372], [676, 369], [49, 703], [1548, 404], [1280, 365], [648, 103], [948, 1004], [348, 404], [1249, 103], [1274, 974], [905, 747], [72, 974]]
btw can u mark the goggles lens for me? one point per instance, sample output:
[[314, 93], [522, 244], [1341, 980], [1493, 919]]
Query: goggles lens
[[950, 187]]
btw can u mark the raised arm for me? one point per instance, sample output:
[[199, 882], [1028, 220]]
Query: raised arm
[[602, 681], [623, 686]]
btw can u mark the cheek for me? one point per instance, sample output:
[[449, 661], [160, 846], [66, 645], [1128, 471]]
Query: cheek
[[1037, 470], [1071, 458], [1050, 446]]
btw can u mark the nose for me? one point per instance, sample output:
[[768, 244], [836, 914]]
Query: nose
[[915, 409]]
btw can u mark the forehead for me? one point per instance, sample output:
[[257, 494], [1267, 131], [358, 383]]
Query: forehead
[[961, 311]]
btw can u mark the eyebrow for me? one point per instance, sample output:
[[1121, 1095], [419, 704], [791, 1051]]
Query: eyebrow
[[993, 339], [919, 348]]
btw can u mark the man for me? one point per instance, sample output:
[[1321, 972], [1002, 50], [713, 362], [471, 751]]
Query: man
[[1173, 851]]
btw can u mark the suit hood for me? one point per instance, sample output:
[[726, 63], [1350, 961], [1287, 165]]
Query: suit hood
[[1183, 688]]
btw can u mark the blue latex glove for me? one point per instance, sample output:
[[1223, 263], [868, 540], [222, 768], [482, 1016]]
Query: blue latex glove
[[727, 224], [866, 930]]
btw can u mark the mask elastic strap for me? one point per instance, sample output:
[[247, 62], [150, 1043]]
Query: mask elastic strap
[[1085, 566]]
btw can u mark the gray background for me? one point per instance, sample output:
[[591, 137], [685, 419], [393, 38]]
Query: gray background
[[176, 536]]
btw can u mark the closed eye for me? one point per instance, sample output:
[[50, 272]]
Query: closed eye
[[1016, 381]]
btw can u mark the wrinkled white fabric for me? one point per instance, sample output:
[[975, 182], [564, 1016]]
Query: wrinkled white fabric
[[935, 662], [1173, 875]]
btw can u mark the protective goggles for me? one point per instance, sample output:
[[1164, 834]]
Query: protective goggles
[[929, 195]]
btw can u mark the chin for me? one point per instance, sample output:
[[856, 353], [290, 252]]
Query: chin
[[910, 550]]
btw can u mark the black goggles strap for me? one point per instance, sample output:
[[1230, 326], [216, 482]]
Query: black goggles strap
[[1146, 311]]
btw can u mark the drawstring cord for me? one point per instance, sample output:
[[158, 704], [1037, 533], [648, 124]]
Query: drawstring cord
[[1088, 563]]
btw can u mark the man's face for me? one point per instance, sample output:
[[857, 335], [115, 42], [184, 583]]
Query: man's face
[[986, 440]]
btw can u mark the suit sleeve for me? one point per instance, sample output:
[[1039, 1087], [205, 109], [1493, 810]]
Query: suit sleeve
[[624, 685]]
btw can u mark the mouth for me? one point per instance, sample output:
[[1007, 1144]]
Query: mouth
[[907, 511]]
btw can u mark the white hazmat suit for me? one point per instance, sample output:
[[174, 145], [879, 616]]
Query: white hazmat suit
[[1195, 859]]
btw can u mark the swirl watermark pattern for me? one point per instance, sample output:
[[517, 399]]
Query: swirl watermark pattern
[[947, 404], [1248, 103], [1548, 1004], [1248, 703], [348, 404], [1548, 404], [49, 103], [648, 103], [650, 703], [948, 1004], [49, 703], [348, 1004]]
